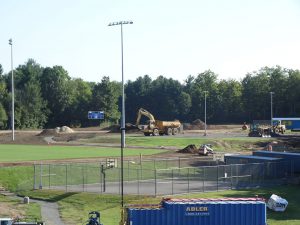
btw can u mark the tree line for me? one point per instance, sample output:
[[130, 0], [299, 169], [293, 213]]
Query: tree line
[[49, 97]]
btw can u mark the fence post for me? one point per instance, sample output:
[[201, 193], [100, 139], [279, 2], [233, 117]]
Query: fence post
[[41, 176], [128, 170], [82, 173], [237, 175], [66, 177], [172, 181], [188, 179], [119, 178], [138, 181], [263, 177], [217, 177], [231, 176], [49, 175], [178, 162], [203, 180], [34, 178], [155, 187], [100, 177]]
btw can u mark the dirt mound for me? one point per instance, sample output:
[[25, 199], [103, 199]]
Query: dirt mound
[[130, 128], [48, 132], [189, 149], [195, 125], [65, 129], [57, 130]]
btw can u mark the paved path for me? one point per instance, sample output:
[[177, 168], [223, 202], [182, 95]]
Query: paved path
[[49, 211]]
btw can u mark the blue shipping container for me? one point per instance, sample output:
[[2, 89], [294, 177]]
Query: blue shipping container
[[290, 123], [245, 159], [200, 213], [294, 157]]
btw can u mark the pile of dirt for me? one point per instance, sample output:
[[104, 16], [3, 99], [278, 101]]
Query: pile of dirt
[[189, 149], [195, 125], [65, 129], [130, 128], [57, 130], [48, 132]]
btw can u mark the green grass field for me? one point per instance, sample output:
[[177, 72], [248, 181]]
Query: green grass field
[[15, 153], [222, 144], [74, 207]]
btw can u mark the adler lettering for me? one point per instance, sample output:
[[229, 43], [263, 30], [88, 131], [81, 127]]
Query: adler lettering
[[196, 209]]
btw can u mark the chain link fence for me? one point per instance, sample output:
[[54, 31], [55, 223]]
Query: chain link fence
[[159, 177]]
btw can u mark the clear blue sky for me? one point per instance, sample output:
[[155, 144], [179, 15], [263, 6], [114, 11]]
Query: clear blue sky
[[173, 38]]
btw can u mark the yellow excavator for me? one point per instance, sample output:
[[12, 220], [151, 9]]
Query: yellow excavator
[[157, 127]]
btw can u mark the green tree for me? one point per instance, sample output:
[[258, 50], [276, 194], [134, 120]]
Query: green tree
[[206, 81], [231, 109], [1, 70], [105, 96], [164, 98], [31, 111], [137, 96], [292, 94], [57, 90], [30, 107], [3, 117], [81, 102]]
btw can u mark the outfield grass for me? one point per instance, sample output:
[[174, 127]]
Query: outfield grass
[[15, 153], [74, 207]]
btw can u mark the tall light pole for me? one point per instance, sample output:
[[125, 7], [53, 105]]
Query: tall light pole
[[271, 93], [12, 92], [121, 23], [205, 92]]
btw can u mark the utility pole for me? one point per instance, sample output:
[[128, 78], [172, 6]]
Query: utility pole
[[271, 93], [205, 92], [12, 92], [121, 23]]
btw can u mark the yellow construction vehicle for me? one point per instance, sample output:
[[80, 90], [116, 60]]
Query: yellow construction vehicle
[[157, 127]]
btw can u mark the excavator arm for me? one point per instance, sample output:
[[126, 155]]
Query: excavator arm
[[144, 112]]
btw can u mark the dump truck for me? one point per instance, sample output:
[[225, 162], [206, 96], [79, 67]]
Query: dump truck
[[157, 127]]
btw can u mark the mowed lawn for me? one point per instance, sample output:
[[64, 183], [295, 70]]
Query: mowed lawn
[[222, 144], [15, 153]]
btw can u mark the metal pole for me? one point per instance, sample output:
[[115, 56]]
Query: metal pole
[[205, 133], [66, 177], [12, 92], [123, 91], [155, 183], [172, 182], [123, 112], [41, 176], [34, 178], [203, 179], [49, 175], [271, 93], [188, 180]]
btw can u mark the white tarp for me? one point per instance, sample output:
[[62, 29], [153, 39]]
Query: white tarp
[[277, 203]]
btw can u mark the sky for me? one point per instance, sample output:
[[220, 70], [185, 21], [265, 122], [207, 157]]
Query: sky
[[173, 38]]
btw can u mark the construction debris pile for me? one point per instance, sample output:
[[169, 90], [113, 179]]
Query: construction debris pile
[[205, 149], [189, 149], [57, 130]]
